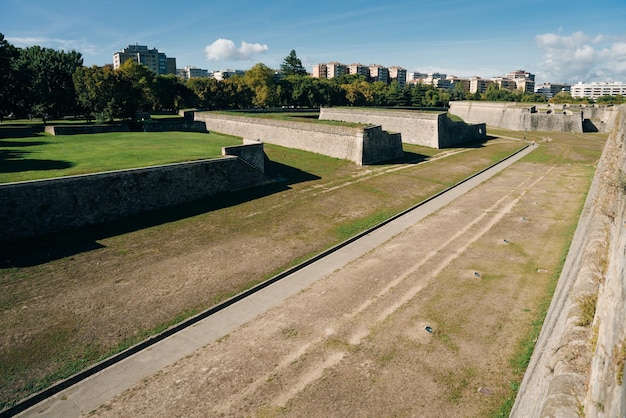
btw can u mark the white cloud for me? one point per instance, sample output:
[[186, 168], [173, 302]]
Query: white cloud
[[580, 57], [54, 43], [225, 49]]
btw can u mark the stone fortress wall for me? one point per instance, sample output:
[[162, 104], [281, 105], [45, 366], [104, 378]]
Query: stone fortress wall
[[361, 145], [578, 370], [430, 129], [532, 117], [35, 208]]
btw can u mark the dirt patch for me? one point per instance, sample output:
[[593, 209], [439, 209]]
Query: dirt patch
[[424, 325]]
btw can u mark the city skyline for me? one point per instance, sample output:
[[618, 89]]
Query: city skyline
[[559, 41]]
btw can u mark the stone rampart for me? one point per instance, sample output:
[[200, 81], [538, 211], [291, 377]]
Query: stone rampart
[[167, 125], [362, 145], [16, 132], [430, 129], [35, 208], [516, 116], [576, 366], [84, 129]]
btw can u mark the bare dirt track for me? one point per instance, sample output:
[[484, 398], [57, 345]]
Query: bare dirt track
[[355, 343]]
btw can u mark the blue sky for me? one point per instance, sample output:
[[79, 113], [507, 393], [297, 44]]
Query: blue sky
[[559, 41]]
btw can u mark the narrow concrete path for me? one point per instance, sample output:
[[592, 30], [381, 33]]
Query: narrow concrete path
[[94, 391]]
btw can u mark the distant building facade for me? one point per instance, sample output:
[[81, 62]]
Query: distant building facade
[[524, 81], [359, 69], [595, 90], [155, 61], [225, 74], [190, 72], [549, 90], [379, 73], [479, 85], [399, 74]]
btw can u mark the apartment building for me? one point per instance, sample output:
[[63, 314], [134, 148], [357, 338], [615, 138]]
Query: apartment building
[[479, 85], [359, 69], [329, 70], [190, 72], [549, 90], [155, 61], [399, 74], [335, 69], [379, 73], [524, 81], [224, 74], [320, 71], [595, 90]]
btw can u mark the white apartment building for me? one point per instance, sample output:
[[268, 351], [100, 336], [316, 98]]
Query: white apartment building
[[549, 90], [156, 61], [192, 72], [595, 90]]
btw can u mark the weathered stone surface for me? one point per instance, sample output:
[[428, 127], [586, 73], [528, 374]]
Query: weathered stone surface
[[361, 145], [429, 129]]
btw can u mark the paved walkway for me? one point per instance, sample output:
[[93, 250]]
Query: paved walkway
[[94, 391]]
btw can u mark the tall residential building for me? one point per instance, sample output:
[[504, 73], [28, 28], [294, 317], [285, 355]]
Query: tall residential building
[[479, 85], [524, 81], [595, 90], [549, 90], [156, 61], [379, 73], [319, 71], [505, 83], [335, 69], [329, 70], [398, 73], [359, 69]]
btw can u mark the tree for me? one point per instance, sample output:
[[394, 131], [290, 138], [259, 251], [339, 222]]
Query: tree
[[8, 82], [292, 65], [262, 81], [171, 93], [45, 76]]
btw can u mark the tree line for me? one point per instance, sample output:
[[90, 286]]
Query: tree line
[[46, 83]]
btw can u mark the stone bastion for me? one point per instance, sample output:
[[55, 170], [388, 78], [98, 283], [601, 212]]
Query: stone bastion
[[361, 145], [536, 117], [35, 208], [430, 129]]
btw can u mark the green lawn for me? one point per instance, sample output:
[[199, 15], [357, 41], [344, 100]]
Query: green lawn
[[45, 156]]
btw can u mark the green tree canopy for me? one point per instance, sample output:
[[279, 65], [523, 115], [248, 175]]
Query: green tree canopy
[[292, 65], [261, 79], [45, 77], [8, 76]]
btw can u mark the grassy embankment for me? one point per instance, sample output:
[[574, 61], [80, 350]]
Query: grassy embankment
[[45, 156]]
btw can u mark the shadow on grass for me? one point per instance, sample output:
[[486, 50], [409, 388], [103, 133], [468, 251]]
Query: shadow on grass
[[40, 250], [14, 161]]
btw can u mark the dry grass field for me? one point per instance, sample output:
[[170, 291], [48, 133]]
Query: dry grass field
[[354, 344]]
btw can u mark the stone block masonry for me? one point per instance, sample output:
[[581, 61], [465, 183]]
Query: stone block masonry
[[527, 117], [430, 129], [361, 145], [576, 369], [35, 208]]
